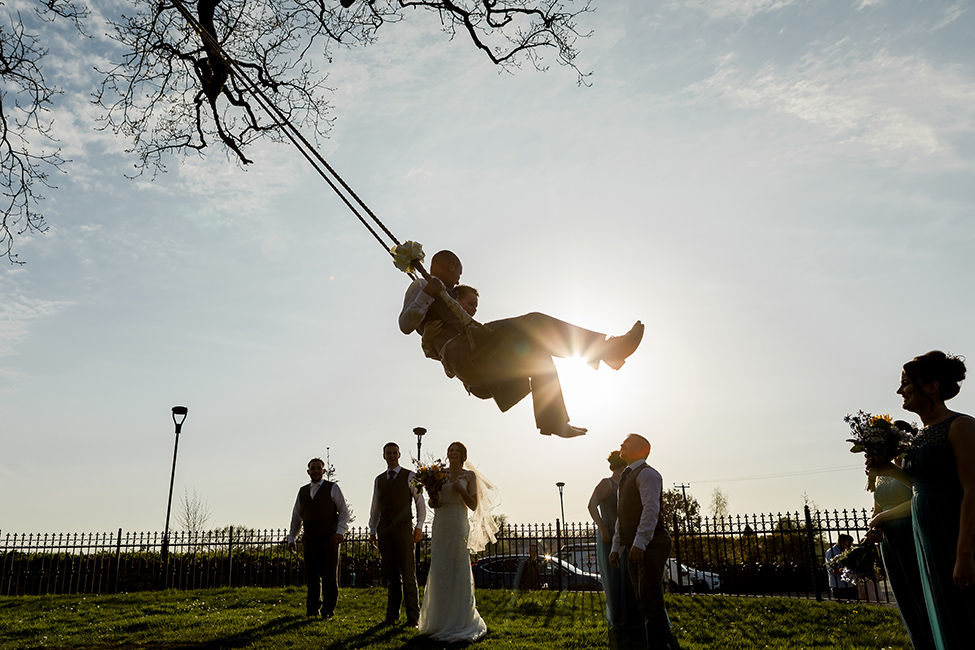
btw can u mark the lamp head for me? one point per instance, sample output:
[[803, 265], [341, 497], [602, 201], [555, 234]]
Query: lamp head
[[419, 431], [179, 415]]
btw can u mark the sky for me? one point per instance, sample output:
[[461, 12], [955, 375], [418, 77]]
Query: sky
[[781, 190]]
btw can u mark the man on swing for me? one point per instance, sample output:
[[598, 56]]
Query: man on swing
[[512, 357]]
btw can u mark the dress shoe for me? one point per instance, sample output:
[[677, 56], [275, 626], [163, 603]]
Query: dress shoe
[[389, 621], [565, 431], [413, 624], [617, 348], [327, 617]]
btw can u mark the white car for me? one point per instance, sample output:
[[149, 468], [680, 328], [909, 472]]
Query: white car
[[681, 576]]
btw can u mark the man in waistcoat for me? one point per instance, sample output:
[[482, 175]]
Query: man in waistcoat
[[321, 509], [643, 539], [392, 531], [520, 360]]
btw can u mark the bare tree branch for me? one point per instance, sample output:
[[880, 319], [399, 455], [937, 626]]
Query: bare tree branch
[[174, 91], [28, 152]]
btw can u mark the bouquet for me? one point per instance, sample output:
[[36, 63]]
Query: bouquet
[[430, 477], [861, 561], [878, 438]]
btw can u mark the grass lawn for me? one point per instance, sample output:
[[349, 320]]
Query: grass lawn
[[274, 619]]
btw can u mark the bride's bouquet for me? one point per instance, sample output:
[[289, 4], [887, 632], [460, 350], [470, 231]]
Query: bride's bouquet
[[878, 438], [430, 477]]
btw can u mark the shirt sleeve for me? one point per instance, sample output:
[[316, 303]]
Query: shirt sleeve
[[415, 306], [374, 508], [339, 500], [616, 538], [420, 503], [295, 521], [649, 483]]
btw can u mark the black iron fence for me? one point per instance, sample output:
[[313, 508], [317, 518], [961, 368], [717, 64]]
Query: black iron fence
[[779, 554], [774, 554]]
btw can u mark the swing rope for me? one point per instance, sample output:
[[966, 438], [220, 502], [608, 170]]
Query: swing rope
[[309, 152], [328, 173]]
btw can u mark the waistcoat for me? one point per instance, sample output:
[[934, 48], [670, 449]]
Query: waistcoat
[[319, 516], [630, 509], [394, 499]]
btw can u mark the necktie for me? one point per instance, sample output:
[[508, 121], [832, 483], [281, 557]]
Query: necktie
[[391, 474], [626, 472], [314, 489]]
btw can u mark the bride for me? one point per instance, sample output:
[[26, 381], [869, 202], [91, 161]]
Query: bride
[[449, 612]]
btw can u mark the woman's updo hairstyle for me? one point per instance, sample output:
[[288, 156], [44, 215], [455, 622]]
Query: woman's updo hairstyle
[[948, 370], [463, 449], [615, 462]]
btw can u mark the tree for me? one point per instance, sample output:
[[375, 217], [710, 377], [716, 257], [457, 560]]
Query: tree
[[193, 74], [193, 514], [673, 502], [28, 152], [719, 504]]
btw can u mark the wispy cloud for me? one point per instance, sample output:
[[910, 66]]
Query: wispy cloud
[[17, 315], [890, 105], [742, 9]]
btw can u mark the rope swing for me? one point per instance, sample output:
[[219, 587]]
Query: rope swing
[[408, 256]]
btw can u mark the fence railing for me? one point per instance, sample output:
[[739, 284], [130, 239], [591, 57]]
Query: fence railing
[[779, 554], [774, 554]]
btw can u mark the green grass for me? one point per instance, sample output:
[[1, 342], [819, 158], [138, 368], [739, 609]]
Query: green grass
[[274, 619]]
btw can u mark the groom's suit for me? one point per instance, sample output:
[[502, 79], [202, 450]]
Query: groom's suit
[[391, 521], [511, 361]]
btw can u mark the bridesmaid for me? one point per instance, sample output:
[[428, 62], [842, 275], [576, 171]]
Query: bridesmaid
[[941, 467], [602, 509], [892, 526]]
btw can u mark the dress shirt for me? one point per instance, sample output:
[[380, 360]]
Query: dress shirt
[[649, 484], [415, 306], [418, 502], [337, 498]]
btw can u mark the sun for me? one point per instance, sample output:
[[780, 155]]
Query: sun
[[589, 393]]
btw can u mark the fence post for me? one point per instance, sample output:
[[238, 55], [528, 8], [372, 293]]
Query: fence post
[[558, 547], [810, 538], [230, 559], [680, 579]]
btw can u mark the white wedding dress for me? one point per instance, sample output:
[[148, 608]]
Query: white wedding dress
[[449, 612]]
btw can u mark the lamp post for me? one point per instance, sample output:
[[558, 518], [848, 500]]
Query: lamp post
[[419, 432], [179, 416], [560, 485]]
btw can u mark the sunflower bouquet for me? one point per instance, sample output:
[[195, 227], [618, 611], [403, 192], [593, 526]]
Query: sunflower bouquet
[[878, 438], [431, 477]]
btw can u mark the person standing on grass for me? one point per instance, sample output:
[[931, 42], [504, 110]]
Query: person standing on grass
[[842, 582], [391, 530], [320, 508], [643, 540]]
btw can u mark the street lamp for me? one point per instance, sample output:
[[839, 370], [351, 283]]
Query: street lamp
[[560, 485], [179, 415], [419, 432]]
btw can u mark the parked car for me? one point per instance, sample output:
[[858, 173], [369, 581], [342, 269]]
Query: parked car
[[581, 555], [681, 575], [504, 571]]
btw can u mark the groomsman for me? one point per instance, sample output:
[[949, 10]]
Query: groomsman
[[392, 531], [321, 509], [642, 537]]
